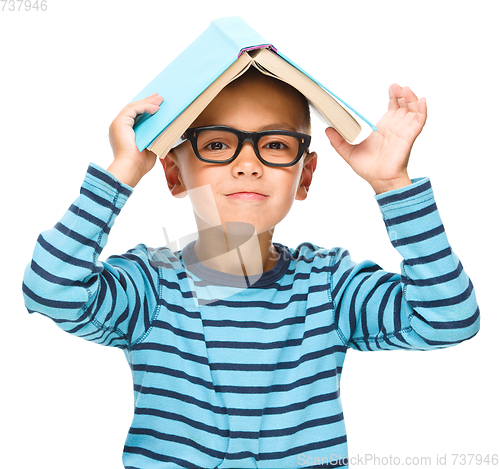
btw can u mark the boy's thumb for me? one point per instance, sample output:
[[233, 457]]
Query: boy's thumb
[[342, 147]]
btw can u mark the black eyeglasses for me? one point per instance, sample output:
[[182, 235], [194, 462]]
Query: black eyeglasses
[[219, 144]]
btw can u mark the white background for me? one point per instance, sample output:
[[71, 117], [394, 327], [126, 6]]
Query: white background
[[67, 72]]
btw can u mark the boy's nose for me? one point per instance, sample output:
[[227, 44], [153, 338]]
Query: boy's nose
[[247, 162]]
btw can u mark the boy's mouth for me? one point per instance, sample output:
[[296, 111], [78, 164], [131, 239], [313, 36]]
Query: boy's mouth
[[247, 196]]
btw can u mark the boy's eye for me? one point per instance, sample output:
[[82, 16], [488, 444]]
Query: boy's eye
[[216, 146], [276, 146]]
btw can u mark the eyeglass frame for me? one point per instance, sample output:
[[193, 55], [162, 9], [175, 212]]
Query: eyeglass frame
[[192, 133]]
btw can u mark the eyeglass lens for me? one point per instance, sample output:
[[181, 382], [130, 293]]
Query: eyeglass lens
[[220, 145]]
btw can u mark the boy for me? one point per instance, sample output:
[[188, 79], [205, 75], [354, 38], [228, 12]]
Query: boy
[[237, 354]]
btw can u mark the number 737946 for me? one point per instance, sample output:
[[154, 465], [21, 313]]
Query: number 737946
[[24, 5]]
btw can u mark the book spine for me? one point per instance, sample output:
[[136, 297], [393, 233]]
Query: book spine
[[240, 33], [261, 46]]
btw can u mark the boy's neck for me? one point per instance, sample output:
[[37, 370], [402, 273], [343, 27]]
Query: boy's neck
[[235, 248]]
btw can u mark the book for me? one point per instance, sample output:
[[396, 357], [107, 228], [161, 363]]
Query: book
[[222, 53]]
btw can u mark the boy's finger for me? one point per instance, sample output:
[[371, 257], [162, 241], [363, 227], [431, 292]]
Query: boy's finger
[[143, 104], [410, 99], [124, 122], [416, 120], [422, 111], [149, 105], [418, 116], [395, 91], [342, 147]]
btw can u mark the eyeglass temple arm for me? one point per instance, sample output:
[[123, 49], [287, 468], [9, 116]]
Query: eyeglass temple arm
[[181, 140]]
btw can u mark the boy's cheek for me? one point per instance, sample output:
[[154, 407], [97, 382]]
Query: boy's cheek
[[203, 202]]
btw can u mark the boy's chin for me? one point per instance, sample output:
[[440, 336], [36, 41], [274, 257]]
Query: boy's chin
[[237, 225]]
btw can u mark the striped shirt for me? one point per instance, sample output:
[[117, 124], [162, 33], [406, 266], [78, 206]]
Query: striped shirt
[[231, 376]]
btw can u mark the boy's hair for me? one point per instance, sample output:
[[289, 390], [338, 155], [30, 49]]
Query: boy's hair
[[253, 74]]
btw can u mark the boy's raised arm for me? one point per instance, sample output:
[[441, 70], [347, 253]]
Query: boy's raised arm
[[432, 303], [109, 302]]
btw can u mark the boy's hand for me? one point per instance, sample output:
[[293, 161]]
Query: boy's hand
[[129, 164], [382, 158]]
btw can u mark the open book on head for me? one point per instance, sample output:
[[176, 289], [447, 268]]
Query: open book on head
[[222, 53]]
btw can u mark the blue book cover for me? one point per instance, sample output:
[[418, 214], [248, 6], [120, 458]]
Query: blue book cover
[[196, 68]]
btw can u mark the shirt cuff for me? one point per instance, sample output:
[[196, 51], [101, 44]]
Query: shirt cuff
[[106, 185], [411, 217], [420, 187]]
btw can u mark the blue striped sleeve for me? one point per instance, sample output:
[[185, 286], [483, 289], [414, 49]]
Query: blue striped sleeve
[[106, 302], [430, 304]]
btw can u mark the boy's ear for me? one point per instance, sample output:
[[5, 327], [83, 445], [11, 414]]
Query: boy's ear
[[173, 175], [310, 162]]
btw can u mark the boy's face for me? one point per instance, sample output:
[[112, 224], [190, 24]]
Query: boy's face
[[270, 191]]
